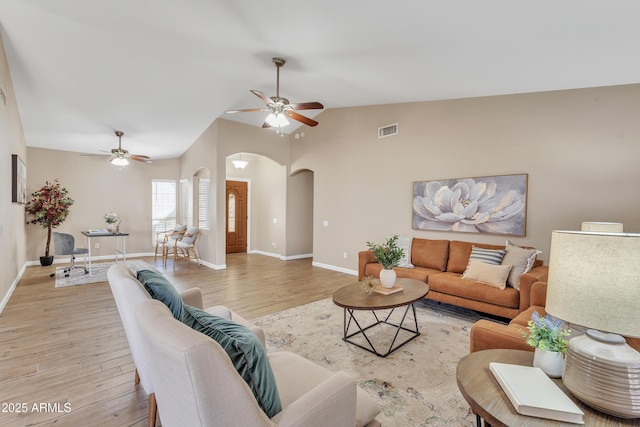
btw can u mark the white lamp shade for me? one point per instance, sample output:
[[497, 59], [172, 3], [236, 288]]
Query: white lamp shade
[[594, 280], [119, 161], [606, 227], [240, 164], [277, 120]]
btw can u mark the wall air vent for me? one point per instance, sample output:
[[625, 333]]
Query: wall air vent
[[389, 130]]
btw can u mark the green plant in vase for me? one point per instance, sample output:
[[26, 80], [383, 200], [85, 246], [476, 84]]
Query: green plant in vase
[[388, 254], [549, 339], [49, 207]]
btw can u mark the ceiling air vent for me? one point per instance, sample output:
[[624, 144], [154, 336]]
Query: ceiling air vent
[[389, 130]]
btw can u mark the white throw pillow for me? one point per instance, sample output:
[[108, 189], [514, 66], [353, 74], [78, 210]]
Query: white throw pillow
[[489, 274], [404, 242], [521, 259]]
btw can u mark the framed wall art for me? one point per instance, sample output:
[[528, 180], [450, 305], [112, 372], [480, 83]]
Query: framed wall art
[[489, 204], [18, 180]]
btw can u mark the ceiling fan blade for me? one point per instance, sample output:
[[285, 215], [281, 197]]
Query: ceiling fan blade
[[262, 96], [140, 158], [266, 125], [247, 110], [307, 106], [299, 117], [96, 155]]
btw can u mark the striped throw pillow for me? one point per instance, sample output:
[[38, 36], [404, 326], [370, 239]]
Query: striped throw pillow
[[489, 256]]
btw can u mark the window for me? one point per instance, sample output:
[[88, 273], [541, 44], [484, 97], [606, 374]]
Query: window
[[185, 213], [163, 206], [203, 203], [231, 214]]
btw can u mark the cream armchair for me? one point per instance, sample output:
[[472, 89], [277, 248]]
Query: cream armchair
[[196, 383], [168, 238], [128, 292]]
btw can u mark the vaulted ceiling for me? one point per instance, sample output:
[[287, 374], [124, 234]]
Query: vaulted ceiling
[[162, 71]]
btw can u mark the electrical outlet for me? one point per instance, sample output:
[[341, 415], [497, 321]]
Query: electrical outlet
[[344, 255], [274, 245], [97, 245]]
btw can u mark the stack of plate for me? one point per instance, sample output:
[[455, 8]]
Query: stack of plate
[[604, 375]]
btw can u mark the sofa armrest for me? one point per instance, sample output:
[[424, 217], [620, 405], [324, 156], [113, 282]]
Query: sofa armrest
[[539, 294], [364, 258], [537, 274], [192, 297], [331, 403], [487, 335]]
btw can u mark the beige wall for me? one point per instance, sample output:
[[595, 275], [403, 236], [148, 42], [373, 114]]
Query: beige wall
[[98, 187], [300, 214], [579, 147], [12, 221]]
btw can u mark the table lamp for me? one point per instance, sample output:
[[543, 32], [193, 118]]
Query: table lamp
[[594, 281]]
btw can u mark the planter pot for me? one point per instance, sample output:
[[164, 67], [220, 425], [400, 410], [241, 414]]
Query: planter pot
[[551, 362], [46, 260], [388, 278]]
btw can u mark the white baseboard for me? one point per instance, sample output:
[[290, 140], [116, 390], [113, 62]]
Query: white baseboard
[[12, 288], [80, 258], [282, 257], [335, 268]]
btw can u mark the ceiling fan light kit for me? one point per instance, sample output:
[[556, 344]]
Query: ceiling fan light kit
[[120, 157], [277, 120], [280, 108], [119, 161]]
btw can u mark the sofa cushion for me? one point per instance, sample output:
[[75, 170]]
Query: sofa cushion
[[430, 253], [245, 351], [459, 254], [488, 256], [453, 284], [161, 289], [521, 259], [490, 274], [417, 273], [404, 243]]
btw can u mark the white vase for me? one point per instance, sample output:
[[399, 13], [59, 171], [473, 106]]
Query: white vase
[[551, 362], [388, 278]]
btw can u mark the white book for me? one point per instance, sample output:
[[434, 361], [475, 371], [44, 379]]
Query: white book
[[533, 393]]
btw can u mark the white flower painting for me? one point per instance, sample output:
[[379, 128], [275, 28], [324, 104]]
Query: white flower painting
[[493, 204]]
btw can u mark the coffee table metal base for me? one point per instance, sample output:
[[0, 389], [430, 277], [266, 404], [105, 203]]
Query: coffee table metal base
[[379, 320]]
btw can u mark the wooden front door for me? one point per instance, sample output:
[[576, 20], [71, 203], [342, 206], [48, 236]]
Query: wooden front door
[[236, 217]]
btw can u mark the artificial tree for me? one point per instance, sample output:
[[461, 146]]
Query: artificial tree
[[49, 207]]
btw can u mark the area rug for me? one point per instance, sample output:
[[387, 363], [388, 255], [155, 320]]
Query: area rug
[[98, 270], [415, 385]]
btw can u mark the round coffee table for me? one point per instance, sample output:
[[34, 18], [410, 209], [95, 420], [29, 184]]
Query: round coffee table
[[352, 298], [487, 399]]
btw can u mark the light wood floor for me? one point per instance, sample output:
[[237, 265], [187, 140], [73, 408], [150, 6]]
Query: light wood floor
[[67, 345]]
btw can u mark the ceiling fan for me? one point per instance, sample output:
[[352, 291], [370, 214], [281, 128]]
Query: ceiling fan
[[121, 157], [280, 108]]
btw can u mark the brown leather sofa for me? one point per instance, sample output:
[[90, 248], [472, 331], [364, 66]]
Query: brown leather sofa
[[441, 263], [487, 335]]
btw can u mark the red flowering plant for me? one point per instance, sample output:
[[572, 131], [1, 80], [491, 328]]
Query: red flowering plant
[[49, 207]]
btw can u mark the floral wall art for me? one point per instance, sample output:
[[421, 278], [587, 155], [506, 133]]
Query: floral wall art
[[491, 204]]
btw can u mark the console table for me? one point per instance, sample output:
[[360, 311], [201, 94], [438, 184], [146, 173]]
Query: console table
[[487, 400], [120, 239]]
